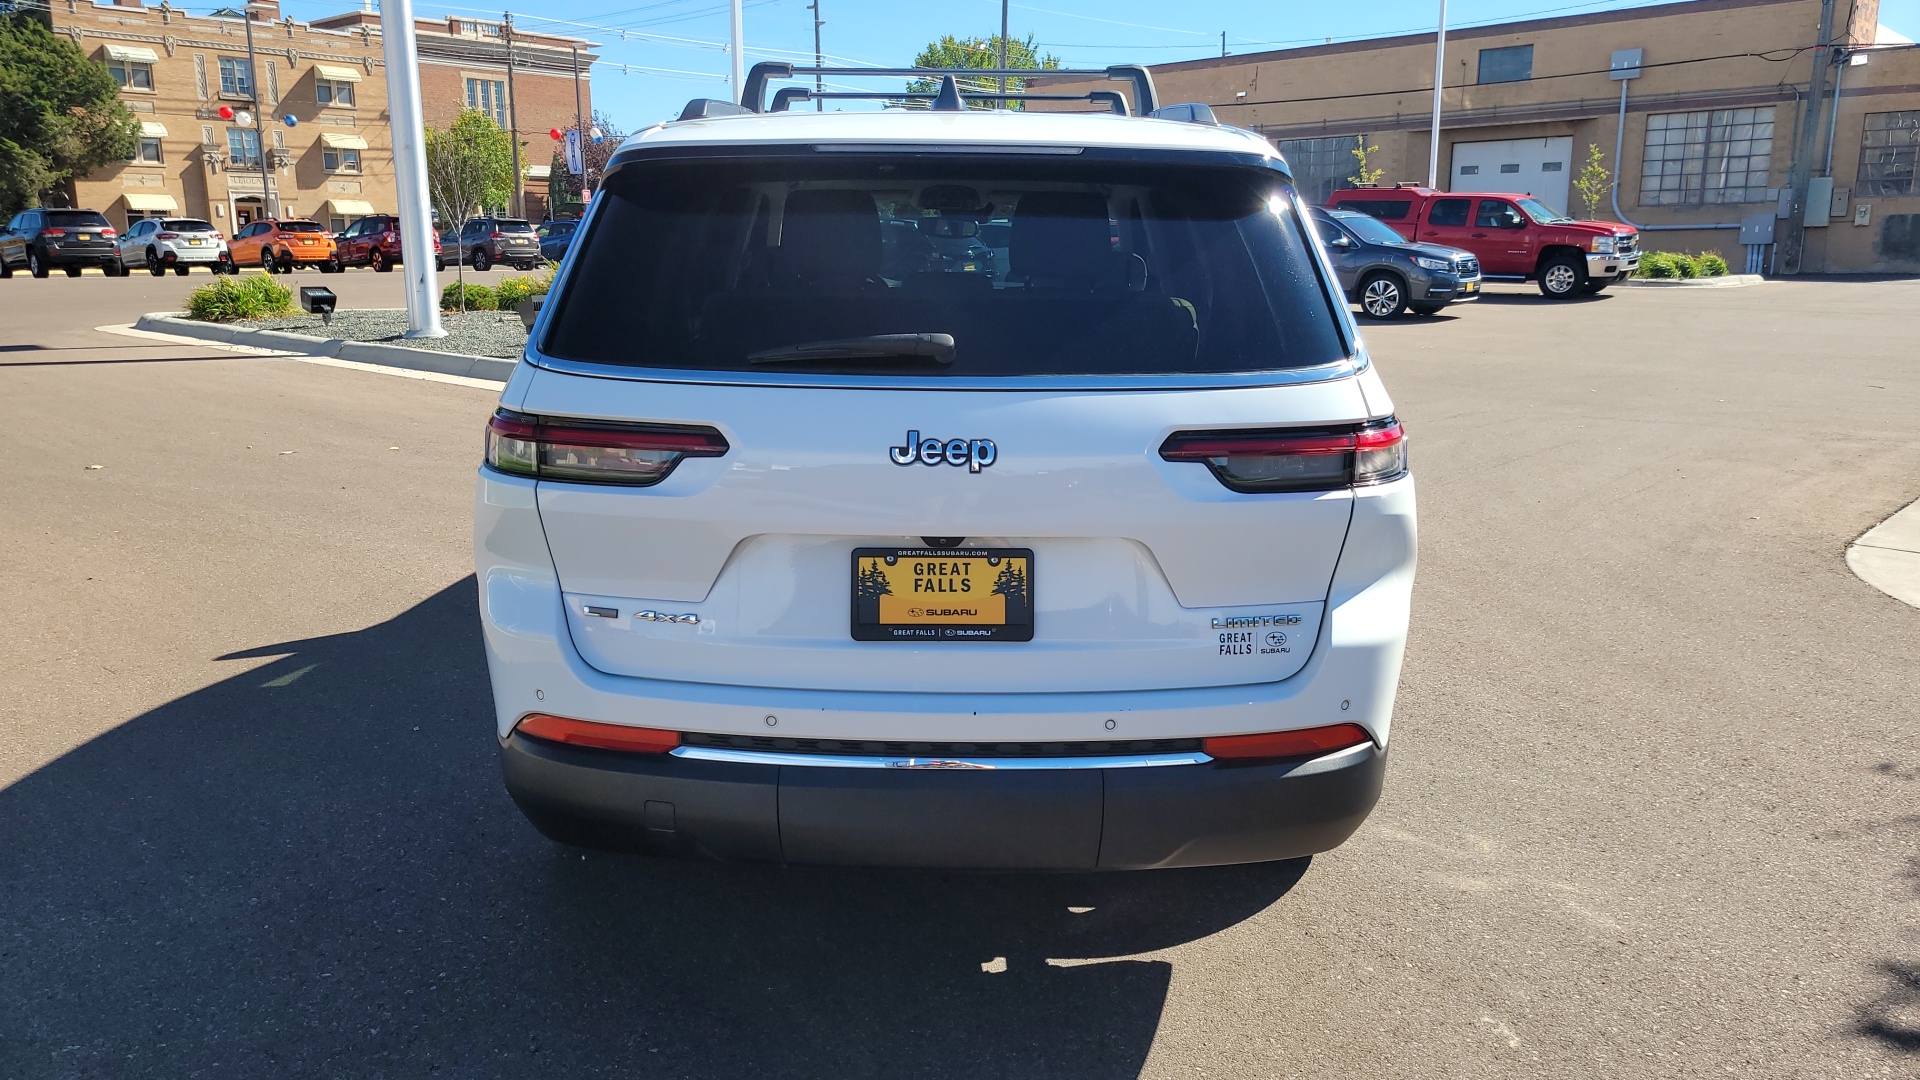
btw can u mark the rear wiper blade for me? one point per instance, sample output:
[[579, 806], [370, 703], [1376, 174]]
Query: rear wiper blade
[[935, 347]]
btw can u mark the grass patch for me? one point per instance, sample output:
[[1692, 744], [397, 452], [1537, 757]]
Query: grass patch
[[230, 298]]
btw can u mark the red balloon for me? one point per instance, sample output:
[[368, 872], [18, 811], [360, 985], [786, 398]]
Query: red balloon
[[556, 135], [226, 112]]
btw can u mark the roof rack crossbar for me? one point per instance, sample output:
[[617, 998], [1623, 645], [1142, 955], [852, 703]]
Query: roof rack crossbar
[[787, 96], [753, 95]]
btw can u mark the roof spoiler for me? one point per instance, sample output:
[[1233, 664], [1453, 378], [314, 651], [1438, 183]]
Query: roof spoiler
[[950, 95]]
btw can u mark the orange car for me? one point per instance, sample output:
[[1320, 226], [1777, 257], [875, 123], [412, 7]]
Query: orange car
[[278, 246]]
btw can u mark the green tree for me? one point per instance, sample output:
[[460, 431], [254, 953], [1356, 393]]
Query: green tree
[[564, 188], [60, 113], [1363, 174], [1591, 185], [976, 52], [469, 167]]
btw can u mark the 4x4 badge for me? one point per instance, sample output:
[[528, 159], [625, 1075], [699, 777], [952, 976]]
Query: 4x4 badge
[[975, 454]]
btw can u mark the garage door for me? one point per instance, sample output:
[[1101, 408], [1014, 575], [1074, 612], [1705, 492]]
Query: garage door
[[1536, 167]]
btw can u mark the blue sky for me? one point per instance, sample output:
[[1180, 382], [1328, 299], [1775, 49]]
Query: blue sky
[[672, 49]]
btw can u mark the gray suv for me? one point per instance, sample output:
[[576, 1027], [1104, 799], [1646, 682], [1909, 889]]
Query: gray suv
[[1386, 274], [485, 241]]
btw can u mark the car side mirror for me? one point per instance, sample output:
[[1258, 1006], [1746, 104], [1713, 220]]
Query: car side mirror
[[1340, 242]]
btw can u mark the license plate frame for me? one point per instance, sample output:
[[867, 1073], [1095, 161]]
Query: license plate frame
[[962, 594]]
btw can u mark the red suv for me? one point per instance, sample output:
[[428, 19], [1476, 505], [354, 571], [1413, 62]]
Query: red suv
[[374, 241], [1516, 237]]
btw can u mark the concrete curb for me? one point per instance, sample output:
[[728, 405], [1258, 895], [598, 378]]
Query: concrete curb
[[1724, 281], [1888, 556], [364, 352]]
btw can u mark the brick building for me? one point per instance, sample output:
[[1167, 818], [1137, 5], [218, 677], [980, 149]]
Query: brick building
[[334, 162], [1715, 117]]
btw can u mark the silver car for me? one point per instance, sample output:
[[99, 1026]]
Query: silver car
[[160, 244]]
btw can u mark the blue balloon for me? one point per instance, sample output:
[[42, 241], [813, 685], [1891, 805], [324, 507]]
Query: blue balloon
[[289, 120]]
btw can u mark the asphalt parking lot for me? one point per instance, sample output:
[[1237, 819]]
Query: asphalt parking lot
[[1650, 810]]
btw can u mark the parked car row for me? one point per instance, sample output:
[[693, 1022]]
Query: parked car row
[[40, 241]]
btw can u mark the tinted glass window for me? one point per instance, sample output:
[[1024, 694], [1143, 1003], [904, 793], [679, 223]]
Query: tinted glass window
[[300, 226], [1449, 211], [186, 225], [76, 219], [1384, 209], [1370, 230], [1497, 214], [513, 225], [1033, 267], [1514, 64]]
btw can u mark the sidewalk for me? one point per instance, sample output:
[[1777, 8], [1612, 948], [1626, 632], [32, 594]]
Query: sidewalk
[[1888, 556]]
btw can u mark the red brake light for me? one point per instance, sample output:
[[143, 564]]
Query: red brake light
[[636, 740], [1309, 742], [497, 236], [1273, 460], [109, 231], [594, 453], [167, 236], [53, 232]]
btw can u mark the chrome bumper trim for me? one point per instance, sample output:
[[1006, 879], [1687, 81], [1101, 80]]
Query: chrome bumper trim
[[849, 761]]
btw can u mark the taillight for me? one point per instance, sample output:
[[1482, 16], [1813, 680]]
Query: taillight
[[1308, 742], [497, 236], [53, 232], [635, 740], [109, 233], [594, 453], [167, 236], [1296, 459]]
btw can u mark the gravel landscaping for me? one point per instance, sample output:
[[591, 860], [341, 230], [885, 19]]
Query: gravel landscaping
[[474, 333]]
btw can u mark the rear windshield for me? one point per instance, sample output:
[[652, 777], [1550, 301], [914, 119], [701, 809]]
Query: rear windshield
[[186, 225], [300, 226], [512, 225], [1032, 266], [76, 219], [1384, 209]]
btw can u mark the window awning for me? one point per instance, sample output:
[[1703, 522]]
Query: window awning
[[148, 203], [336, 73], [132, 54], [350, 208], [343, 142], [152, 130]]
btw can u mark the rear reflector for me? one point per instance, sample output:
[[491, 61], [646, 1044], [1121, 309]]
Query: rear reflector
[[1296, 459], [594, 453], [634, 740], [1308, 742]]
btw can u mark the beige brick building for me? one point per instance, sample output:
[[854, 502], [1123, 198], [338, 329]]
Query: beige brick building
[[334, 163], [1714, 120]]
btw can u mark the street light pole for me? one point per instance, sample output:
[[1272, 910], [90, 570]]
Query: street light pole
[[398, 42], [819, 59], [1003, 52], [738, 47], [513, 124], [580, 134], [1439, 81]]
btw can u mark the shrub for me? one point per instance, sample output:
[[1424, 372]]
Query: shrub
[[1682, 266], [1709, 264], [513, 290], [1656, 264], [459, 297], [230, 298]]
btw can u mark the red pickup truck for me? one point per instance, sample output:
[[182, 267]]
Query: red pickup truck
[[1516, 237]]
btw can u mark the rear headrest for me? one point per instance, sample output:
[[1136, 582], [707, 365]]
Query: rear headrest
[[830, 236], [1062, 238]]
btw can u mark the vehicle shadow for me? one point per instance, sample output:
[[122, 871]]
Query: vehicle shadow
[[312, 869], [1893, 1018], [1532, 296]]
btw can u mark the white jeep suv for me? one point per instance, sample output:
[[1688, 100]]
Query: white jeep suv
[[949, 487]]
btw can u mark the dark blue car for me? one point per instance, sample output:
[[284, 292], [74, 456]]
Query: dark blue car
[[555, 238]]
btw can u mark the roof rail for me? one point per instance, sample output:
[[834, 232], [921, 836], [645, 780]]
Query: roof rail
[[1193, 112], [703, 108], [787, 96], [753, 95]]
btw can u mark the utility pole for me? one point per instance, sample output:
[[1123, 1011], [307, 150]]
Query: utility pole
[[1793, 241], [397, 40], [580, 133], [1004, 103], [1223, 43], [819, 58], [737, 45], [259, 121], [1439, 83], [513, 123]]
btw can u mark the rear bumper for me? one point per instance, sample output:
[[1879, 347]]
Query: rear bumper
[[1036, 819], [192, 254]]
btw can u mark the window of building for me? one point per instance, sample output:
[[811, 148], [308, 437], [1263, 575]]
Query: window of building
[[236, 77], [1553, 166], [1322, 166], [336, 224], [340, 159], [1511, 64], [148, 152], [1469, 170], [1890, 153], [1510, 167], [1721, 156], [131, 74], [334, 93], [490, 97], [243, 148]]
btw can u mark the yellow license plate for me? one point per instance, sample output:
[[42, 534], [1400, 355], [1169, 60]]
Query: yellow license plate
[[1471, 286], [926, 594], [86, 236], [195, 243]]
